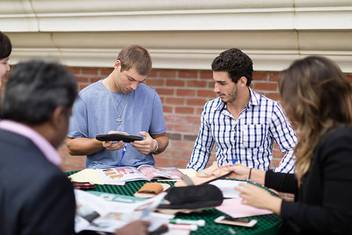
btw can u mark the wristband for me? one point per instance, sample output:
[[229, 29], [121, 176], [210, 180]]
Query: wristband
[[156, 148], [250, 173]]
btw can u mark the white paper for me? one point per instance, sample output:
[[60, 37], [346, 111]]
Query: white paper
[[188, 171], [227, 187], [115, 214], [94, 176], [234, 208], [111, 213]]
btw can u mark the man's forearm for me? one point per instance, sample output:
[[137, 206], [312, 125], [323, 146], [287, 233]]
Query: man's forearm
[[163, 142], [83, 146], [257, 176]]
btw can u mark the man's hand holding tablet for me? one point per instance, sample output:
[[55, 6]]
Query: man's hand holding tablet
[[118, 137], [115, 140]]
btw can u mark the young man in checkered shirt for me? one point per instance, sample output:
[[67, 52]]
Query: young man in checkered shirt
[[240, 122]]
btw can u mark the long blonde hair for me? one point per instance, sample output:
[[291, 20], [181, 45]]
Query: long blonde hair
[[317, 98]]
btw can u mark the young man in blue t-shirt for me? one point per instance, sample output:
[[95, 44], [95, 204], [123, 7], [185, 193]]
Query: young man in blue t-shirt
[[120, 102]]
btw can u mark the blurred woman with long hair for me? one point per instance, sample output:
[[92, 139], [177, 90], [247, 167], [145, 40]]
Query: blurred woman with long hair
[[318, 99]]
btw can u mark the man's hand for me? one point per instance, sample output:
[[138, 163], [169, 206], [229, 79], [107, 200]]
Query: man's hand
[[146, 146], [113, 145], [137, 227], [243, 172], [239, 171]]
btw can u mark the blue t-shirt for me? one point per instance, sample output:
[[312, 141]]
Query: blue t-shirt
[[98, 111]]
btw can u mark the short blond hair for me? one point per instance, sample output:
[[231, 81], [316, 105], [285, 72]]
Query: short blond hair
[[137, 57]]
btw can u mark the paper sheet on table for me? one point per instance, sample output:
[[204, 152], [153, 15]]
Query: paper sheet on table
[[227, 187], [234, 208], [145, 212], [108, 216], [111, 215], [93, 176], [103, 206], [202, 177], [177, 232], [87, 175], [188, 171]]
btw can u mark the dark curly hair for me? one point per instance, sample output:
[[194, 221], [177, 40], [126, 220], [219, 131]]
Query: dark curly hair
[[236, 63]]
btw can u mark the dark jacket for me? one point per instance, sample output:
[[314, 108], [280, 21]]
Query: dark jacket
[[35, 196], [323, 202]]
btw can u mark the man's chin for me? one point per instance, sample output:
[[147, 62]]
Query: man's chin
[[223, 99], [3, 78], [126, 91]]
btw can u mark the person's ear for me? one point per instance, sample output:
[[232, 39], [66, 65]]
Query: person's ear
[[243, 81], [59, 116], [58, 125], [117, 65]]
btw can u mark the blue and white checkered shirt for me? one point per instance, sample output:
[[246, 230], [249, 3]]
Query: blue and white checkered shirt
[[247, 140]]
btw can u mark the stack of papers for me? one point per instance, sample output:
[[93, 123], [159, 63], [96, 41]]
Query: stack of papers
[[93, 176], [106, 213], [120, 175]]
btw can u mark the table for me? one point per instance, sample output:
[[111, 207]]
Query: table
[[266, 225]]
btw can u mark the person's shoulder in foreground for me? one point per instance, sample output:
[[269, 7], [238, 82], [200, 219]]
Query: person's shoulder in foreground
[[34, 191]]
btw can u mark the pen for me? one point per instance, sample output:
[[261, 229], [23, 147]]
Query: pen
[[183, 221], [150, 205], [167, 180], [123, 152], [122, 155]]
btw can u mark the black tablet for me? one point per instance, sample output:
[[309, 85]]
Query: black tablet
[[118, 137]]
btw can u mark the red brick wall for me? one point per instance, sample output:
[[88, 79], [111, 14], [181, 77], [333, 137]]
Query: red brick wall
[[183, 94]]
